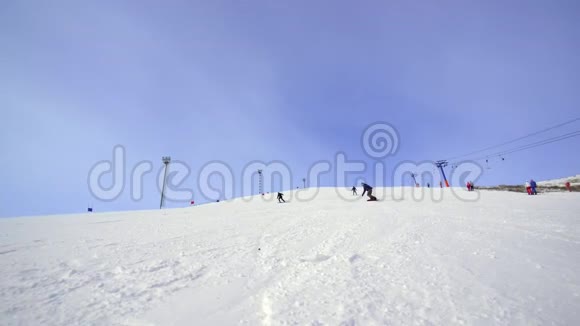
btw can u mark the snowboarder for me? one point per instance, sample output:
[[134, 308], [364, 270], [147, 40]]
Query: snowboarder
[[568, 186], [354, 191], [281, 198], [369, 191], [528, 188], [533, 185]]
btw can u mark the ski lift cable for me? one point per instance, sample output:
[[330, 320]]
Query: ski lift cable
[[517, 139], [529, 146], [575, 134]]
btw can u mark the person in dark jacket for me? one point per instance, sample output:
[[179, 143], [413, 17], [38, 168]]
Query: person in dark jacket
[[281, 198], [354, 191], [533, 185], [369, 191]]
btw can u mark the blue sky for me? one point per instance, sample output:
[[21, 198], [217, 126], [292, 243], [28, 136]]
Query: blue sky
[[294, 81]]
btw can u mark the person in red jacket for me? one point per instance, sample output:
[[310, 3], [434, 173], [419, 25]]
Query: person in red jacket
[[568, 186], [528, 188]]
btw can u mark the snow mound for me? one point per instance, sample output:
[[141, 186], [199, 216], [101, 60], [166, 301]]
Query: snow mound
[[448, 257], [574, 181]]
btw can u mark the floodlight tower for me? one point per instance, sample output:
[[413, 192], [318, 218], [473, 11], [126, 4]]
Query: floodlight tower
[[441, 164], [260, 182], [166, 160]]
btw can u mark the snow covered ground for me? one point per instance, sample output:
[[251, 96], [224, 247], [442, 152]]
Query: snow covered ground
[[504, 259]]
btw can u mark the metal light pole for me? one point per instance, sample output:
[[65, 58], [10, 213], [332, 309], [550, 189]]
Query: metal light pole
[[166, 160], [260, 182], [441, 165]]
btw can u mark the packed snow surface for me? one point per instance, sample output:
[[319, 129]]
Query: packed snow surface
[[451, 257]]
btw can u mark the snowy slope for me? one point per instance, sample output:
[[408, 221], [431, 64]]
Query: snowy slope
[[505, 259]]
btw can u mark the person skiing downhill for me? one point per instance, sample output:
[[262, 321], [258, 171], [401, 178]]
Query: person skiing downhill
[[568, 186], [281, 198], [369, 191], [354, 191]]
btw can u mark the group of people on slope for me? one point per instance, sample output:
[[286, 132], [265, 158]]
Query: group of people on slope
[[366, 189], [531, 187], [470, 186]]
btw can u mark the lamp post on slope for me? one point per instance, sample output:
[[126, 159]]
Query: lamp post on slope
[[260, 182], [166, 160]]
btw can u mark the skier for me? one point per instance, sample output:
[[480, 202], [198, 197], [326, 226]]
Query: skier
[[428, 185], [568, 186], [440, 184], [471, 186], [533, 185], [354, 191], [468, 184], [528, 188], [369, 191], [281, 198]]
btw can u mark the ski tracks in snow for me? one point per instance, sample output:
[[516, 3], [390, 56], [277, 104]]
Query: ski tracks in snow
[[327, 253], [88, 287], [326, 261]]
